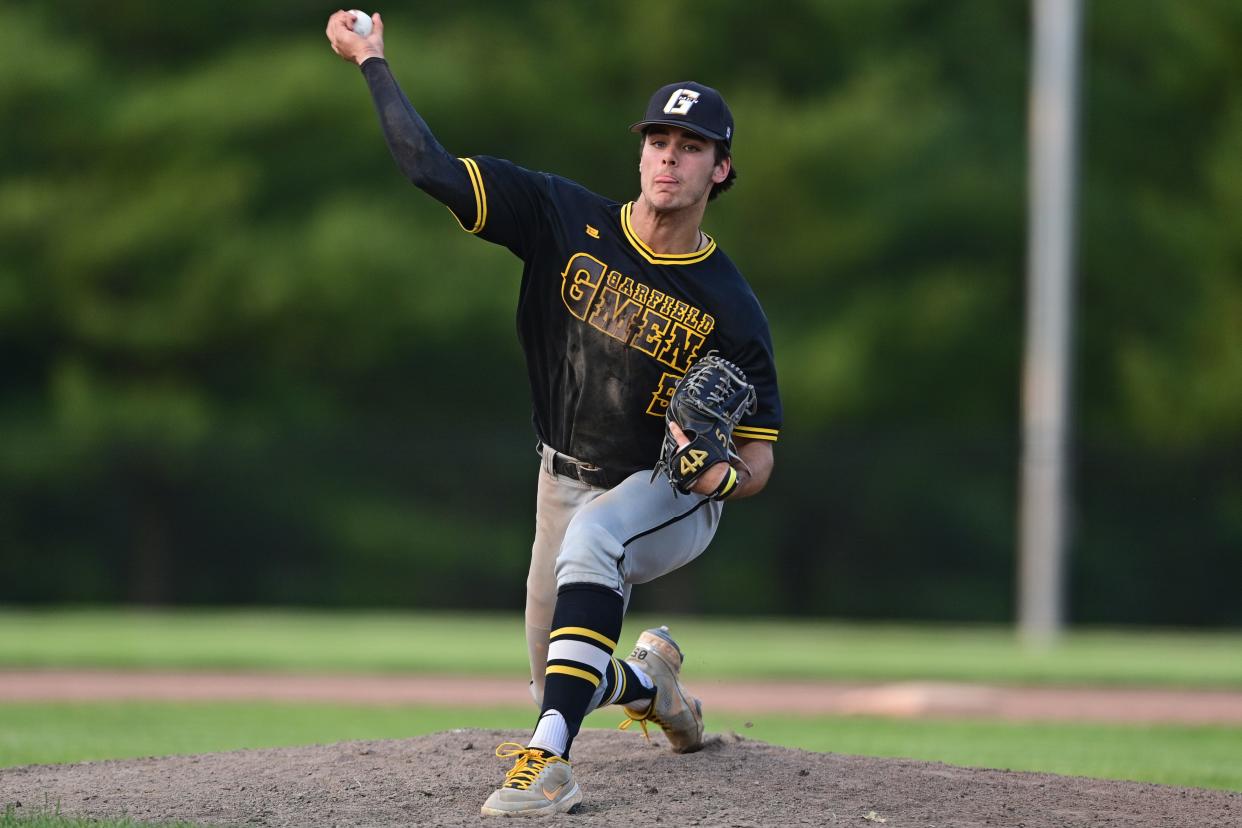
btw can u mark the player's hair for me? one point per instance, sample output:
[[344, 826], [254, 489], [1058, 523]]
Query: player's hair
[[722, 152], [717, 189]]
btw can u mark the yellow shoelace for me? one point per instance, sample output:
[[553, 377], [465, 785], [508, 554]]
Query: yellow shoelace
[[530, 763], [641, 718]]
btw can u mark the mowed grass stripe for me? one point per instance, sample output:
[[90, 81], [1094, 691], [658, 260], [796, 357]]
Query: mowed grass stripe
[[1179, 755], [50, 818], [482, 644], [36, 733]]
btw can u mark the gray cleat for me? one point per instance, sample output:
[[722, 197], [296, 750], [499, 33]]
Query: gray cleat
[[679, 714], [537, 785]]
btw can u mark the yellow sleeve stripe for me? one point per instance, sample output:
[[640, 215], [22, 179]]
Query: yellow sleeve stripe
[[583, 631], [572, 671], [480, 197], [756, 433]]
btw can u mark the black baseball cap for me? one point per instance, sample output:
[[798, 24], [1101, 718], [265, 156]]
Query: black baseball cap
[[692, 106]]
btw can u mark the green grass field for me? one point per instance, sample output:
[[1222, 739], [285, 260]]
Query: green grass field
[[49, 817], [716, 649]]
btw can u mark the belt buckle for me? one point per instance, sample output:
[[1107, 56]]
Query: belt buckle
[[575, 469], [593, 475], [562, 465]]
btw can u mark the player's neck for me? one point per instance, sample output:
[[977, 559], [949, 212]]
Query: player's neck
[[668, 232]]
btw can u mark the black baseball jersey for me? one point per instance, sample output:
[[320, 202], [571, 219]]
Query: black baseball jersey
[[607, 325]]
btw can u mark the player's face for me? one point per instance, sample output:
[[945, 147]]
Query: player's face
[[677, 168]]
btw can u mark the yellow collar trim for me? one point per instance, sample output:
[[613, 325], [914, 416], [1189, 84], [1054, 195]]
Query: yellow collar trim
[[661, 258]]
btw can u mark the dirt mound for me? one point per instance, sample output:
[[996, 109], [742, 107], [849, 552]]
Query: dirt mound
[[442, 779]]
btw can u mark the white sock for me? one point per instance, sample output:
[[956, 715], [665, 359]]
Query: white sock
[[643, 677], [551, 734]]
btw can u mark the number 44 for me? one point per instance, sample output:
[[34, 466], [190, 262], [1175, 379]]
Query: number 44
[[692, 461]]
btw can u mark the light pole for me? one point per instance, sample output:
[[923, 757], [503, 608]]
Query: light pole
[[1046, 426]]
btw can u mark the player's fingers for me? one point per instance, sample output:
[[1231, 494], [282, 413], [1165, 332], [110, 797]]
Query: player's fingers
[[678, 435], [377, 23]]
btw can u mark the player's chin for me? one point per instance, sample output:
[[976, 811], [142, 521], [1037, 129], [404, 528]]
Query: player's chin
[[670, 198]]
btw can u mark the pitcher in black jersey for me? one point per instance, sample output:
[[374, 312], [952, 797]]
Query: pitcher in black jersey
[[617, 300]]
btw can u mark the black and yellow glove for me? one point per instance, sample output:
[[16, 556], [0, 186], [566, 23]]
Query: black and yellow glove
[[706, 405]]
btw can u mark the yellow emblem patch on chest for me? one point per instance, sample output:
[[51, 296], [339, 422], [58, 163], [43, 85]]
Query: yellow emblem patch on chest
[[592, 232]]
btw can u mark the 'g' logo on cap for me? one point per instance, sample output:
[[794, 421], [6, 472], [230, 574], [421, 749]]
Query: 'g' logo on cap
[[680, 101], [691, 106]]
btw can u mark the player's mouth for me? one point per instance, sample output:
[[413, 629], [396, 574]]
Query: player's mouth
[[665, 179]]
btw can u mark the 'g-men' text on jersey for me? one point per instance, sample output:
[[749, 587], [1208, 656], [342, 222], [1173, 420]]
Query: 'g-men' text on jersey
[[607, 325]]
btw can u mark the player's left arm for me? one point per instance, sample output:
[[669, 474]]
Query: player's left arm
[[754, 437], [758, 457]]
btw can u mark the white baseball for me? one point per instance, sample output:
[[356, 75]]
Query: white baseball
[[362, 22]]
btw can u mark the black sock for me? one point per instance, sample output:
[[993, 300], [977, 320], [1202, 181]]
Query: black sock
[[585, 626], [622, 685]]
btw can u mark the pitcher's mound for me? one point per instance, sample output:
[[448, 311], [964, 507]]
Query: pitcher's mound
[[442, 779]]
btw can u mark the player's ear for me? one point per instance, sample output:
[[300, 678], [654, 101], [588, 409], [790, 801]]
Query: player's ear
[[721, 172]]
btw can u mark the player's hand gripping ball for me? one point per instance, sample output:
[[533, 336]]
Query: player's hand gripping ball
[[362, 22], [706, 405]]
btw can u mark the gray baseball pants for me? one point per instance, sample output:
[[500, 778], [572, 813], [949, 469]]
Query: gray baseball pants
[[630, 534]]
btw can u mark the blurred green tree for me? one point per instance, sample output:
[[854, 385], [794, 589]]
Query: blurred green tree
[[237, 347]]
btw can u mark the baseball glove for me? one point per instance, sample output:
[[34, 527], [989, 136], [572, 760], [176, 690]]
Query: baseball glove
[[706, 404]]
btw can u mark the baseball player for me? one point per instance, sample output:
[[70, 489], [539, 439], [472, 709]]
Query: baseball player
[[617, 302]]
